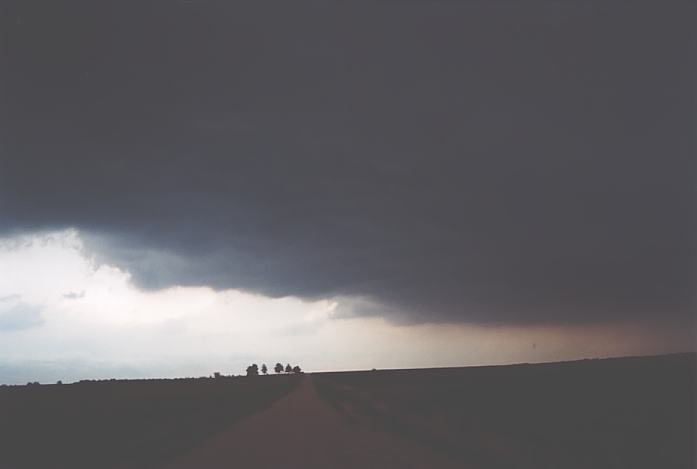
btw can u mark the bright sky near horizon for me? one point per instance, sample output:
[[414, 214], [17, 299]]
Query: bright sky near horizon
[[63, 315]]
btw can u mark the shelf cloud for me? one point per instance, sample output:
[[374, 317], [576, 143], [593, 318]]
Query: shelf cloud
[[366, 149]]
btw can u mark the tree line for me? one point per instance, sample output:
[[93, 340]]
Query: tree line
[[253, 369]]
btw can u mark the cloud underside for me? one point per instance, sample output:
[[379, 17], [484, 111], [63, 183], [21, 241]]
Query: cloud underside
[[461, 161]]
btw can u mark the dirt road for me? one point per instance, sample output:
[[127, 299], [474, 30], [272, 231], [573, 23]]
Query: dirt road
[[302, 431]]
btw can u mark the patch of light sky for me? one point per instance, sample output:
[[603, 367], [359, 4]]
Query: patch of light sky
[[65, 316]]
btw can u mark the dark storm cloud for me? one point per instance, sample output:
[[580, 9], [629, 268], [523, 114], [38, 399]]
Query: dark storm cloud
[[454, 160]]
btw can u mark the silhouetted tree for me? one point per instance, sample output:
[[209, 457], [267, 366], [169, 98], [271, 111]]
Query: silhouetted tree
[[264, 369], [288, 368], [297, 370], [253, 370], [278, 368]]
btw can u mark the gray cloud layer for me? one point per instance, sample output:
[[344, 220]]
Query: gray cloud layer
[[487, 161]]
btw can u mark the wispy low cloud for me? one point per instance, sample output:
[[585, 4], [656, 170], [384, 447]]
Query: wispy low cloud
[[74, 295], [19, 316]]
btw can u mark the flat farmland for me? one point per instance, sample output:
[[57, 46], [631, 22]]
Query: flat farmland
[[129, 423], [611, 413]]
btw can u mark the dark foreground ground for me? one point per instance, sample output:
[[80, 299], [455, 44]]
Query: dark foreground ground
[[615, 413], [139, 423], [629, 413]]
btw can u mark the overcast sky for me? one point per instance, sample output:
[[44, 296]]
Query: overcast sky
[[191, 184]]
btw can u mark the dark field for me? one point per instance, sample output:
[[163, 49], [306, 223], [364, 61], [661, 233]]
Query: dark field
[[109, 424], [615, 413], [628, 413]]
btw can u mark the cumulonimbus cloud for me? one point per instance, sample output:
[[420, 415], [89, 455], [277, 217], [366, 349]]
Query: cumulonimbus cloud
[[373, 149]]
